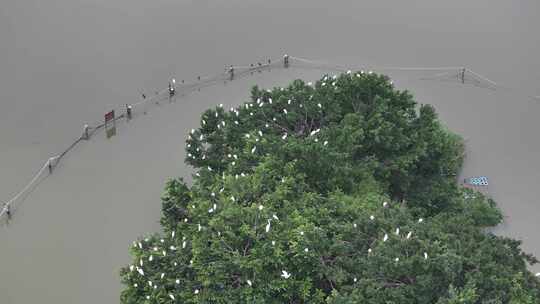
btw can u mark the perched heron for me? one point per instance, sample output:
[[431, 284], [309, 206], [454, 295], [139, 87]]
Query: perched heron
[[285, 274]]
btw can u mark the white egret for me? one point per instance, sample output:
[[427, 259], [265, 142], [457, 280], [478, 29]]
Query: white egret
[[151, 258], [141, 262], [273, 243], [301, 232], [397, 231], [232, 198], [131, 267], [325, 142], [210, 210], [214, 206], [210, 169], [213, 194], [261, 104], [275, 217], [306, 249], [371, 217], [261, 207], [285, 111], [334, 77], [385, 204], [420, 220], [172, 248], [221, 105], [369, 250], [355, 279], [319, 105], [140, 245], [267, 229], [289, 101], [201, 137], [199, 227], [150, 283], [260, 133], [385, 238], [250, 113], [284, 136], [135, 285], [184, 244], [270, 100], [172, 234], [140, 271], [425, 256], [323, 84], [148, 297], [409, 235], [266, 125], [235, 156], [192, 131], [397, 259], [162, 275], [537, 274], [354, 225], [171, 296], [349, 72], [249, 283], [254, 149], [155, 249], [285, 274], [177, 281], [310, 83]]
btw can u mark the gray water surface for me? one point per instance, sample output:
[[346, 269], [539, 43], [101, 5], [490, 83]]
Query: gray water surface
[[64, 63]]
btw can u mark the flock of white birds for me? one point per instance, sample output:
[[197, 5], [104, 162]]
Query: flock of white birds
[[285, 274]]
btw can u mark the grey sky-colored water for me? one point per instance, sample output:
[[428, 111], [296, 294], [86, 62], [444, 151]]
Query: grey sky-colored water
[[64, 63]]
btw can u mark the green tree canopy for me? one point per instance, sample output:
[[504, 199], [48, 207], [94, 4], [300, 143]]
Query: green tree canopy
[[339, 192]]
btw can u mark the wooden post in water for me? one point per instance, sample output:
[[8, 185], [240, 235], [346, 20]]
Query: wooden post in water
[[231, 73], [128, 112], [86, 132]]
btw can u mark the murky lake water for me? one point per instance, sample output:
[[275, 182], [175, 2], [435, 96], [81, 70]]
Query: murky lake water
[[64, 63]]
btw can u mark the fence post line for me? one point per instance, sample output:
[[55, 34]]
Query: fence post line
[[286, 61]]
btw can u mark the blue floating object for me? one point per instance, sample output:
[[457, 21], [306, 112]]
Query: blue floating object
[[478, 181]]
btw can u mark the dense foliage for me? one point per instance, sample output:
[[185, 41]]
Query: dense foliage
[[343, 191]]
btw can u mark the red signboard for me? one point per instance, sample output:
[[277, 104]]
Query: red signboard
[[109, 116], [110, 124]]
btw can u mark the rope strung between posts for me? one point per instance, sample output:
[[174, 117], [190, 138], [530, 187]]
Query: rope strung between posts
[[455, 74]]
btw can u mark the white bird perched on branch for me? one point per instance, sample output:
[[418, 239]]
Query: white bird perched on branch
[[267, 228], [385, 204], [284, 136], [285, 111], [425, 256], [260, 133], [184, 243], [397, 231], [270, 100], [371, 217], [409, 235], [249, 282], [151, 258], [275, 217], [172, 234], [325, 143], [131, 267], [177, 281], [285, 274], [254, 149], [171, 296], [261, 207], [420, 220], [385, 238], [289, 101], [140, 271], [196, 291], [162, 275], [537, 274]]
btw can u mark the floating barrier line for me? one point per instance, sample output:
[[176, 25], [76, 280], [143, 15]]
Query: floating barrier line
[[231, 73]]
